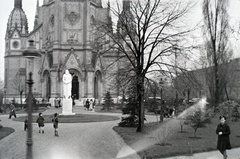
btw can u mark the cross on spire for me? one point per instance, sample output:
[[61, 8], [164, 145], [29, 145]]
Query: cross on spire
[[17, 3]]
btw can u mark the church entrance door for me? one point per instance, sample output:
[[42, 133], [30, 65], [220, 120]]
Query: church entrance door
[[75, 87]]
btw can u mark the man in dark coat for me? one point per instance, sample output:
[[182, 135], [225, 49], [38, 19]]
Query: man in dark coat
[[87, 104], [223, 132], [55, 124], [12, 111], [40, 121]]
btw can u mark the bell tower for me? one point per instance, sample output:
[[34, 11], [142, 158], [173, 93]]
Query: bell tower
[[15, 43]]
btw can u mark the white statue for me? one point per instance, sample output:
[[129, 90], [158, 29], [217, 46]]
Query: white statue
[[67, 85]]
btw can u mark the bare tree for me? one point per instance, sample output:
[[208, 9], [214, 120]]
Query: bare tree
[[19, 84], [122, 79], [147, 33], [216, 33]]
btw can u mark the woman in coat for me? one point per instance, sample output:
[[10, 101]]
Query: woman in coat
[[55, 124], [223, 132]]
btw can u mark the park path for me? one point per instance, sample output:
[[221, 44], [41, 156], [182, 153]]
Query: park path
[[77, 140], [232, 154]]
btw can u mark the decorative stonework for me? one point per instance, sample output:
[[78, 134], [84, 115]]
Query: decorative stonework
[[51, 20], [72, 17], [72, 13], [15, 44]]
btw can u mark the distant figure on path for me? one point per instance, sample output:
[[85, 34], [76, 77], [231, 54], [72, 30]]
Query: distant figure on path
[[40, 121], [223, 132], [55, 124], [12, 111], [87, 104], [25, 123], [67, 85], [91, 105]]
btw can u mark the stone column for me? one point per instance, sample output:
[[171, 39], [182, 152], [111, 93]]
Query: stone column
[[54, 86], [90, 85]]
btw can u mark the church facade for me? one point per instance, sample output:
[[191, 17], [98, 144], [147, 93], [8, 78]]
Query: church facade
[[64, 36]]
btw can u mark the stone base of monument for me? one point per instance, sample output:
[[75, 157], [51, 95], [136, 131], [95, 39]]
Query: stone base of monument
[[67, 107]]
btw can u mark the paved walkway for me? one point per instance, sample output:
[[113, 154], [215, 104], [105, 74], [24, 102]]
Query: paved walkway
[[78, 141], [232, 154]]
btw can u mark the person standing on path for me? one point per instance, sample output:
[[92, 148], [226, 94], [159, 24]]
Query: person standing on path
[[91, 105], [87, 104], [55, 123], [25, 124], [40, 121], [223, 132], [12, 111]]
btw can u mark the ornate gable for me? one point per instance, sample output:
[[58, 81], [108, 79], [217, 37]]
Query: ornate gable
[[15, 34], [72, 61], [45, 65], [98, 65]]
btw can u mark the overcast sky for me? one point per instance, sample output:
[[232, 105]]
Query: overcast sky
[[6, 6]]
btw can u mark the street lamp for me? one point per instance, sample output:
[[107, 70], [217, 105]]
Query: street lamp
[[30, 53], [5, 102]]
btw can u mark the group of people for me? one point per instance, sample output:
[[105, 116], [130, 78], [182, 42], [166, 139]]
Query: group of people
[[89, 105], [40, 122], [57, 102], [223, 129], [168, 112]]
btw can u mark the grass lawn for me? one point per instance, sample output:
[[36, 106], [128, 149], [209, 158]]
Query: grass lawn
[[5, 131], [23, 111], [165, 139], [78, 118]]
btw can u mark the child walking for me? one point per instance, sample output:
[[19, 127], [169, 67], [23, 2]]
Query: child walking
[[55, 123], [40, 121]]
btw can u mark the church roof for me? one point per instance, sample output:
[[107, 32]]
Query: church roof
[[17, 20]]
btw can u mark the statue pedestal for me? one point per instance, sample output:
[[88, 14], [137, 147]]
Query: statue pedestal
[[67, 107]]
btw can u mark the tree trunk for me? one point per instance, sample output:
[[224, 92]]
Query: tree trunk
[[123, 99], [21, 99], [176, 96], [188, 95], [140, 90], [226, 92]]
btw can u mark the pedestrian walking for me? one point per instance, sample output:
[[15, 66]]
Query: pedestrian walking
[[25, 123], [223, 132], [87, 104], [91, 105], [40, 121], [12, 111], [55, 123]]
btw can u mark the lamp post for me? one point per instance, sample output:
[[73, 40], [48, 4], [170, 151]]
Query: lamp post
[[30, 53], [5, 102], [29, 124]]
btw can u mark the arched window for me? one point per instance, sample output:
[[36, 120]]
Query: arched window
[[93, 29]]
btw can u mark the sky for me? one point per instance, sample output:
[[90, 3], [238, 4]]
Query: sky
[[29, 6]]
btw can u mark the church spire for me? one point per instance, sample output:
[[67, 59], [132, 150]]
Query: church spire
[[126, 5], [36, 15], [17, 3], [109, 18], [108, 4]]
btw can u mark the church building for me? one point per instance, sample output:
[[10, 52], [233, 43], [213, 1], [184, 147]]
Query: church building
[[65, 36]]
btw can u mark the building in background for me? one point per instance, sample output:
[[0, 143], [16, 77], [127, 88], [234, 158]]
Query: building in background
[[199, 83], [65, 36]]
